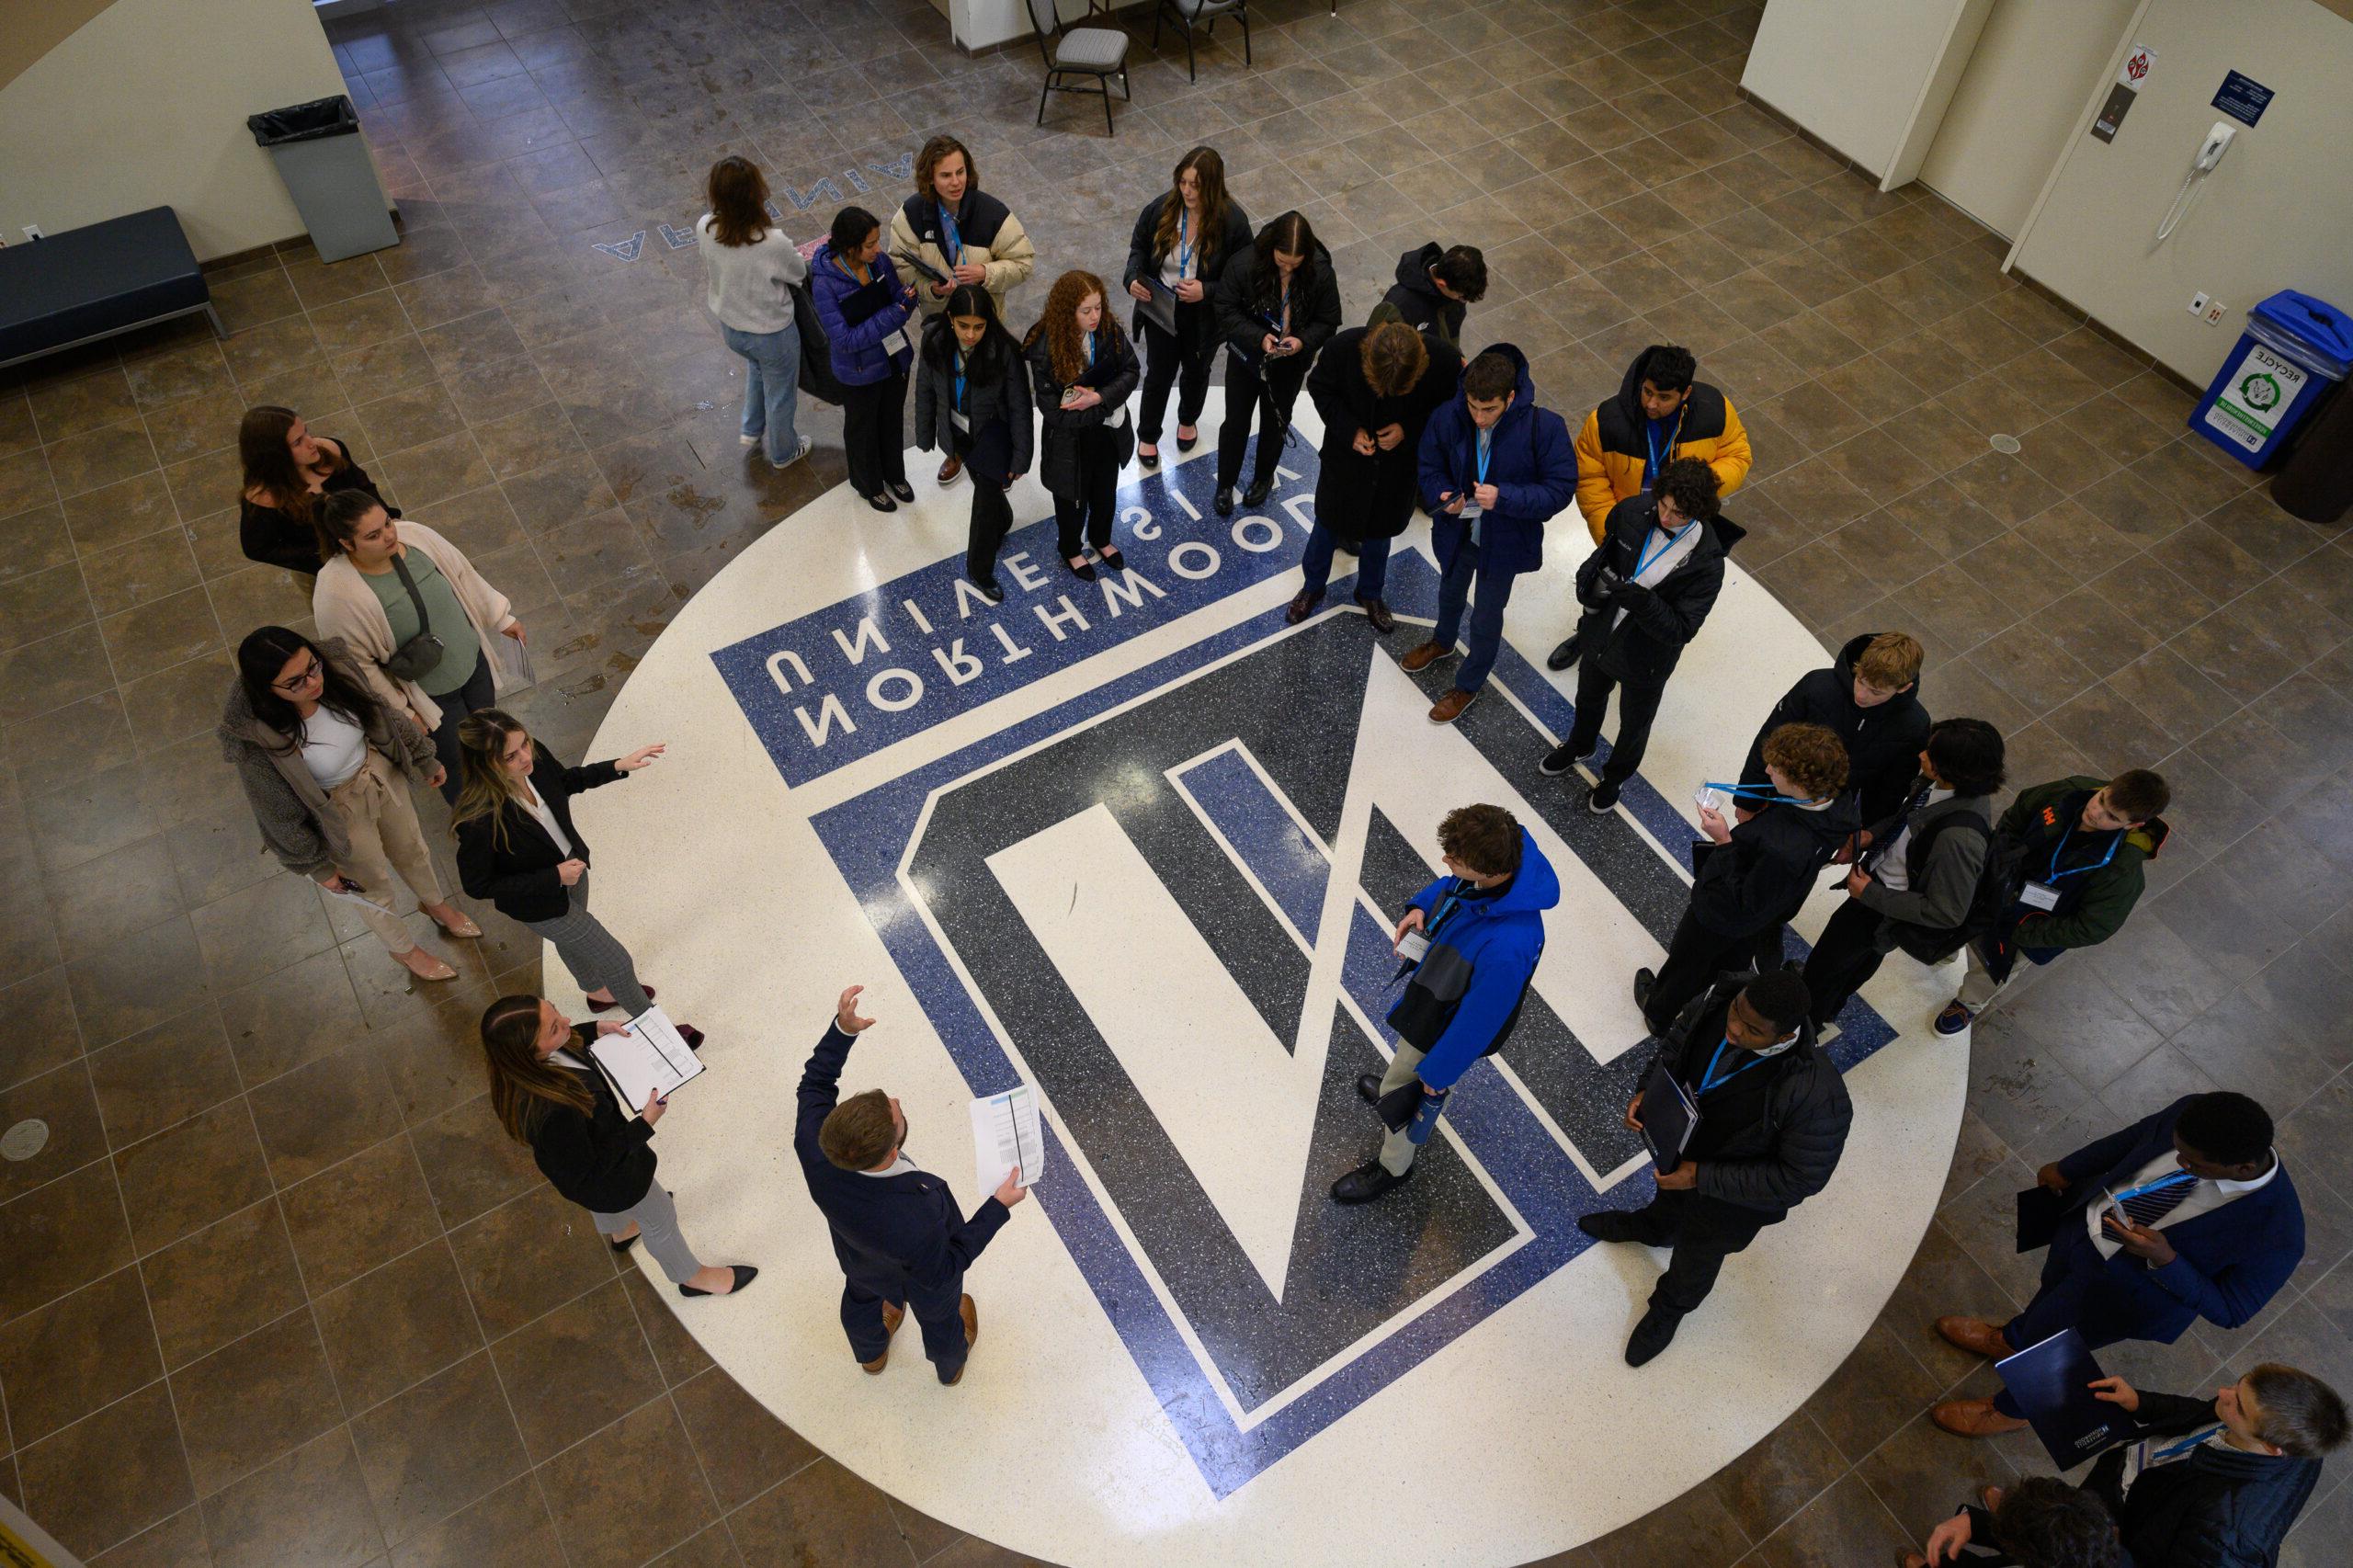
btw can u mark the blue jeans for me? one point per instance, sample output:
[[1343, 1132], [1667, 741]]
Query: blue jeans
[[1486, 615], [1372, 564], [771, 386]]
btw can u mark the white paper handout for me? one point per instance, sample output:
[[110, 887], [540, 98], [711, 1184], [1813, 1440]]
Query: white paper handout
[[355, 893], [1006, 1135], [649, 1057]]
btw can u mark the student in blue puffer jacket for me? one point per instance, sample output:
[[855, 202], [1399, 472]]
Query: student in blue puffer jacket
[[1471, 939], [865, 311]]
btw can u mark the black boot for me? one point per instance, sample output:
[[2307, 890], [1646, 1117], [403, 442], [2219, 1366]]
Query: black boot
[[1367, 1182], [1653, 1335]]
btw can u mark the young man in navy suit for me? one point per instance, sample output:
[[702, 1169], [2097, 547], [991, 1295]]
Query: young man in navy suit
[[2183, 1215], [901, 1238]]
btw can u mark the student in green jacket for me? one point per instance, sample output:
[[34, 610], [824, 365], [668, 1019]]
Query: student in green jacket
[[2070, 853]]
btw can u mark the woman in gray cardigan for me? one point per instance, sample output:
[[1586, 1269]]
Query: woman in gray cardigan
[[321, 762], [751, 265]]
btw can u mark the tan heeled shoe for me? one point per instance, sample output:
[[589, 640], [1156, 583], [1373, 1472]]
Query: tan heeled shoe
[[464, 927], [424, 965]]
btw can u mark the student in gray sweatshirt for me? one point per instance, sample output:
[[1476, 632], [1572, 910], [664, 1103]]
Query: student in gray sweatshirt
[[751, 265]]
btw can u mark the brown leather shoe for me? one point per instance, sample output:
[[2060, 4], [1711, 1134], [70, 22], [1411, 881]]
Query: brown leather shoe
[[1303, 604], [1422, 657], [949, 470], [1975, 1418], [1377, 612], [972, 1316], [1976, 1336], [892, 1318], [1447, 709]]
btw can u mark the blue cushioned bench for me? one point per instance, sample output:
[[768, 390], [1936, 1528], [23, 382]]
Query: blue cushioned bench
[[94, 282]]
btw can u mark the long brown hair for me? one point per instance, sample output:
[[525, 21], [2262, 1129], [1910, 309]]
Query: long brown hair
[[269, 463], [522, 1086], [739, 201], [1393, 357], [1065, 344], [936, 149], [1210, 169], [484, 786]]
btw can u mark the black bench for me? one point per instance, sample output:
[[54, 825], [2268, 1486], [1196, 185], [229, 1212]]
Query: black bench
[[94, 282]]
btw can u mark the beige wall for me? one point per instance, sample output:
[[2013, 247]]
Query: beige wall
[[2019, 102], [1869, 77], [36, 27], [144, 106], [2277, 215]]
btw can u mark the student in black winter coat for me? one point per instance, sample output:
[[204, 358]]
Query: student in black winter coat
[[2194, 1483], [1278, 304], [1645, 590], [549, 1092], [1376, 388], [1773, 1120], [1436, 289], [900, 1239], [1182, 239], [972, 400], [1751, 874], [2040, 1522], [1082, 370], [1870, 698], [1916, 868]]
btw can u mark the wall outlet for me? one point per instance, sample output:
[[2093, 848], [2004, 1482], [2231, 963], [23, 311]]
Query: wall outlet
[[2214, 308], [2197, 303], [32, 231]]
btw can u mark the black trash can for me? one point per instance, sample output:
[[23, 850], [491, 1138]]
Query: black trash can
[[2316, 482], [324, 163]]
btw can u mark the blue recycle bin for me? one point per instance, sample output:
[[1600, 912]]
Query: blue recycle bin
[[2293, 349]]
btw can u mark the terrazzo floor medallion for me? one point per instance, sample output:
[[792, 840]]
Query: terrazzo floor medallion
[[1138, 842]]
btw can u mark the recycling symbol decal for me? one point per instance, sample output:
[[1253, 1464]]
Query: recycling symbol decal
[[2259, 391]]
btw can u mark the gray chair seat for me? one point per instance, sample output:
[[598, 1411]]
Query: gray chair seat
[[1200, 10], [1091, 49]]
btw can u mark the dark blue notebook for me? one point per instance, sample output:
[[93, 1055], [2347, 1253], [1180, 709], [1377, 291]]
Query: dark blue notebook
[[2052, 1382]]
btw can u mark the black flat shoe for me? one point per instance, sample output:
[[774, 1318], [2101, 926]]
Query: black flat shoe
[[990, 589], [1149, 459], [881, 503], [1186, 443], [1646, 982], [744, 1274], [1368, 1087], [1653, 1335], [1257, 494], [1111, 559], [1082, 569], [625, 1245], [1563, 655], [613, 1006], [1367, 1182], [1607, 1226], [1223, 502], [903, 490]]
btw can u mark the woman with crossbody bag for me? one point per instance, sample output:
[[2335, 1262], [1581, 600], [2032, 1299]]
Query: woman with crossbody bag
[[416, 615]]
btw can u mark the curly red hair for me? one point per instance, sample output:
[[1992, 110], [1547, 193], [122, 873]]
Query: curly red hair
[[1065, 343]]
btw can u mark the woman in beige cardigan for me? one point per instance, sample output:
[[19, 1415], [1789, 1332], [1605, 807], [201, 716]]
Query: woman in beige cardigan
[[362, 600], [321, 762]]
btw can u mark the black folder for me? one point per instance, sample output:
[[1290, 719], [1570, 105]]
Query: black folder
[[1669, 1115], [865, 300], [2040, 1212], [2051, 1380]]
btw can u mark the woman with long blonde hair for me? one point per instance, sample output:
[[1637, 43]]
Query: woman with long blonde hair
[[548, 1092], [519, 847], [1082, 369]]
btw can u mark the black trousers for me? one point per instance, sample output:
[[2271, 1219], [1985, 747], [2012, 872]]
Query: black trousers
[[874, 421], [1637, 710], [1703, 1231], [1696, 955], [1097, 501], [1181, 359], [1846, 955], [1267, 399], [992, 520], [939, 1313], [479, 692]]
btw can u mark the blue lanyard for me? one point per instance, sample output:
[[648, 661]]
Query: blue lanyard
[[1650, 434], [1286, 327], [959, 378], [1644, 557], [1090, 349], [1746, 792], [2162, 1183], [951, 242], [1708, 1080], [2173, 1450], [1483, 449], [2114, 839], [1184, 251]]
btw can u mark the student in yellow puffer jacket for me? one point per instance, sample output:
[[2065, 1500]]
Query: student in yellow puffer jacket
[[1660, 414]]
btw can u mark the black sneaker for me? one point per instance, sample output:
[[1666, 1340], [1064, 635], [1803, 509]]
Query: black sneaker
[[1603, 800], [1367, 1182], [990, 589], [1560, 759]]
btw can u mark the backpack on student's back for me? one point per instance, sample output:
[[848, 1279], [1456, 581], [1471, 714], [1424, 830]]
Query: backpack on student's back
[[817, 377], [1997, 894]]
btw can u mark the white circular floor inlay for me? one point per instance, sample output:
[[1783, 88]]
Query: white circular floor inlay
[[25, 1139], [1125, 840]]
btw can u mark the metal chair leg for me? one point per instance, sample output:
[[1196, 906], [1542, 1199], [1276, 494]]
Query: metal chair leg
[[1103, 84], [1042, 97], [1190, 74], [1156, 24], [1245, 36]]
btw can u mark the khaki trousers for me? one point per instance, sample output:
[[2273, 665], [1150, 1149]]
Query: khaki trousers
[[381, 823], [1978, 986], [1397, 1150]]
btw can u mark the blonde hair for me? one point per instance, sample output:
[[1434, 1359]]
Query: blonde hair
[[484, 786], [1890, 662]]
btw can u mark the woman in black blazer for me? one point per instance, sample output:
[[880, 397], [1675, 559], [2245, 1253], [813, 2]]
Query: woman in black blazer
[[518, 848], [1278, 304], [548, 1093], [1182, 238]]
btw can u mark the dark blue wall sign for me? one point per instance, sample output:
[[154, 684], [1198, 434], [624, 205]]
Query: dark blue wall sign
[[2243, 97]]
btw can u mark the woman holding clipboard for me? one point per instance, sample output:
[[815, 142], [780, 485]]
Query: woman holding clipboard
[[1278, 304], [973, 403], [1181, 238], [548, 1092], [1083, 368], [865, 311]]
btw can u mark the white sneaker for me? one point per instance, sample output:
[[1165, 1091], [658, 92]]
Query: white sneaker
[[796, 457], [747, 441]]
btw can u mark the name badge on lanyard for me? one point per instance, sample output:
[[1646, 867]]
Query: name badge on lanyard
[[2039, 895], [896, 342], [1479, 460], [964, 420]]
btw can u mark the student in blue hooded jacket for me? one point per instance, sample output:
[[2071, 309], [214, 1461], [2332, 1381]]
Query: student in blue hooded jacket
[[1472, 939], [1494, 469]]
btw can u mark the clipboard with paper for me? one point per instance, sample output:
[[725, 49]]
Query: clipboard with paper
[[648, 1057], [1008, 1136]]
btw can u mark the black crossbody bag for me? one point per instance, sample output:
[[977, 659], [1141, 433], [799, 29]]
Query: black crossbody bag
[[422, 652]]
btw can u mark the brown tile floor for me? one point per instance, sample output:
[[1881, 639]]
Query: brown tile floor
[[277, 1291]]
